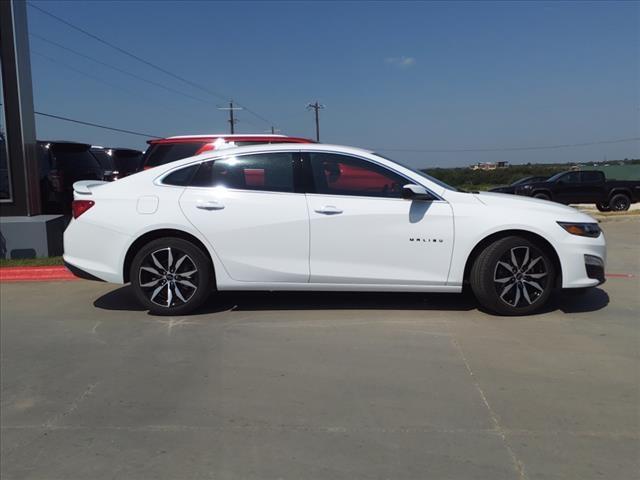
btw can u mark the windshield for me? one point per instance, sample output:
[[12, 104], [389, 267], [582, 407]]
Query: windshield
[[523, 180], [556, 177], [421, 173]]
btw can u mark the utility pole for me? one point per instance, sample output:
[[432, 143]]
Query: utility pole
[[232, 121], [316, 106]]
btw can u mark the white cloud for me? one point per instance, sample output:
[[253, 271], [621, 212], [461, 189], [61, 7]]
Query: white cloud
[[401, 62]]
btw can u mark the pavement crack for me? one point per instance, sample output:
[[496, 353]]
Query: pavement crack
[[497, 427], [74, 405]]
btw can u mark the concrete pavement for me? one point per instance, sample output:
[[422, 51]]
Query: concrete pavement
[[269, 386]]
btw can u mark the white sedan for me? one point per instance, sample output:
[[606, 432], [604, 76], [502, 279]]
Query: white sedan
[[323, 217]]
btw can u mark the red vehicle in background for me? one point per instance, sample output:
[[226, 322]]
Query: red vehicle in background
[[165, 150]]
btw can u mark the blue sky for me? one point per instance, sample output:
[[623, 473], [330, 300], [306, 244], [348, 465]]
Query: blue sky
[[393, 75]]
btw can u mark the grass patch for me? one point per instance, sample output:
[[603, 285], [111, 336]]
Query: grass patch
[[31, 262]]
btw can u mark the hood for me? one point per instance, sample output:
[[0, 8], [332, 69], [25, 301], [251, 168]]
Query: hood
[[527, 203]]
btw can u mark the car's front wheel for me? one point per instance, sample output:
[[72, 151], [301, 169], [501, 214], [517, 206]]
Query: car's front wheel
[[513, 276], [171, 276]]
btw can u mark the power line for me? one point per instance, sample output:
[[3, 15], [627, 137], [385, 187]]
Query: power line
[[117, 69], [142, 60], [509, 149], [72, 120]]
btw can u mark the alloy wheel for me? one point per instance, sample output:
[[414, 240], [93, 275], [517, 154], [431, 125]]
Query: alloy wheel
[[520, 276], [168, 277]]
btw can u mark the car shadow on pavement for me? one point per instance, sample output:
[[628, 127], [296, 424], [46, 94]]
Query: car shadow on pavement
[[592, 300], [124, 299]]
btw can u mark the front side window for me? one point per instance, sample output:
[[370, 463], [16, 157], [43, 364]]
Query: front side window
[[271, 172], [336, 174], [571, 177]]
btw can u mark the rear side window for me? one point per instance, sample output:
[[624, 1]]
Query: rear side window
[[335, 174], [592, 177], [265, 171], [73, 158], [161, 153], [105, 160], [126, 161], [181, 177]]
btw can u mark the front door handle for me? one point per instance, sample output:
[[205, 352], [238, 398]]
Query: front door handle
[[329, 210], [210, 205]]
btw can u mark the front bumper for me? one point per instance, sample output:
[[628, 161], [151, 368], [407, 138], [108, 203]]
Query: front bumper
[[583, 261]]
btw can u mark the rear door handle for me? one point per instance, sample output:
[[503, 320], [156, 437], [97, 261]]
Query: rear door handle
[[329, 210], [209, 205]]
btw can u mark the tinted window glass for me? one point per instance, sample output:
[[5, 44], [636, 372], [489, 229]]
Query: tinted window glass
[[181, 177], [126, 161], [103, 158], [161, 153], [592, 177], [571, 177], [264, 171], [343, 175], [73, 158]]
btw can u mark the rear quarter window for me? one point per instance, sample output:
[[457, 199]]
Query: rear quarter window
[[181, 177], [70, 158]]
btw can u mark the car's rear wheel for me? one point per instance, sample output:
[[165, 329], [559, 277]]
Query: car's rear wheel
[[513, 276], [603, 207], [171, 276], [620, 202]]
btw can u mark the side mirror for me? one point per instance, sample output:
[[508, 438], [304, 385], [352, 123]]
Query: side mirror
[[416, 192]]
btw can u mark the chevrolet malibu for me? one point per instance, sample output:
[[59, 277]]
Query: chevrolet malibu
[[327, 218]]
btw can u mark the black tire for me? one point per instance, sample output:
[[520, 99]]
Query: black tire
[[542, 196], [171, 276], [513, 276], [620, 202], [603, 207]]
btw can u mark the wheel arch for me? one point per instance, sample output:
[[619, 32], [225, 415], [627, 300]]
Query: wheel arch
[[534, 237], [544, 191], [147, 237], [622, 190]]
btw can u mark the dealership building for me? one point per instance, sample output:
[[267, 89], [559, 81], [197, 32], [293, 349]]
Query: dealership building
[[25, 232]]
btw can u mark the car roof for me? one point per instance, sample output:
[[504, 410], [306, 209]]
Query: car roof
[[273, 147], [239, 137], [230, 135], [62, 143]]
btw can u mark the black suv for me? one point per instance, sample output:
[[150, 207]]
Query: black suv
[[117, 162], [62, 164]]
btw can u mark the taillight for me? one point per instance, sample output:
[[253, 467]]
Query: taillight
[[78, 207]]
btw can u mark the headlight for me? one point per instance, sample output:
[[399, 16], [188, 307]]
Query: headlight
[[581, 229], [527, 187]]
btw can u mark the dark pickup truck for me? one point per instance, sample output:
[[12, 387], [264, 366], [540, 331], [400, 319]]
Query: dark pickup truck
[[587, 186]]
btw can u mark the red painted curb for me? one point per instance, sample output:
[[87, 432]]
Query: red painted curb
[[619, 275], [35, 274]]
